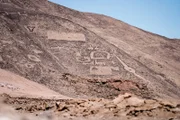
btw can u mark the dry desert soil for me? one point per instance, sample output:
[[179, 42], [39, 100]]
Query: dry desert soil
[[57, 63]]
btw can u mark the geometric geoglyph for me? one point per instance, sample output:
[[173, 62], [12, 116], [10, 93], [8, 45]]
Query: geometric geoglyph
[[66, 36]]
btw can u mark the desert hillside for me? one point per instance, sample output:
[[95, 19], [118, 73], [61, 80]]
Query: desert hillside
[[49, 51]]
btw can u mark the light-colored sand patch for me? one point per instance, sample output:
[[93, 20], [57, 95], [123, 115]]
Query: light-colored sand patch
[[66, 36], [17, 86]]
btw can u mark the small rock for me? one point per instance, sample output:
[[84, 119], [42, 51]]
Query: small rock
[[120, 98], [19, 108], [110, 105], [2, 85], [134, 101], [63, 108], [169, 104]]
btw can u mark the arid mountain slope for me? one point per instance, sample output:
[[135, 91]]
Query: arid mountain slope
[[49, 44]]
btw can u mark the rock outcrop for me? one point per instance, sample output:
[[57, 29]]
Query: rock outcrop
[[124, 107]]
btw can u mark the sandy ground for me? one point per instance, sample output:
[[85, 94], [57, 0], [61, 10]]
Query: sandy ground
[[15, 85]]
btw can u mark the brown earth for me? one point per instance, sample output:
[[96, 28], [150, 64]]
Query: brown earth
[[124, 107], [84, 56], [107, 49]]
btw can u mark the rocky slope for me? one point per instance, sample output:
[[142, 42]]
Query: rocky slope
[[100, 67], [126, 107], [45, 42]]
